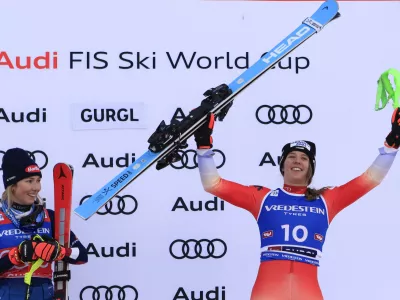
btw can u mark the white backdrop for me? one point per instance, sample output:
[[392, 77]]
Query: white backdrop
[[339, 85]]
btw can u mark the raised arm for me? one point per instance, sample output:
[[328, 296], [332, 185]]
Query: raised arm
[[247, 197], [342, 196]]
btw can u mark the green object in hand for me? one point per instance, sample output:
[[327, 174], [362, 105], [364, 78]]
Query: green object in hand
[[36, 265], [386, 91]]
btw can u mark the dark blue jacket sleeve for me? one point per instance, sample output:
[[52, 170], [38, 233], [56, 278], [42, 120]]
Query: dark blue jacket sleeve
[[74, 243]]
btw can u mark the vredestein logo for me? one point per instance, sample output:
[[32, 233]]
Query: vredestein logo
[[218, 293], [269, 160], [127, 250], [38, 115], [210, 205], [109, 162], [13, 232]]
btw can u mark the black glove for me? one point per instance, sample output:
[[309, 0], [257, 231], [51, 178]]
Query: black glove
[[202, 136], [393, 138], [23, 253], [26, 251]]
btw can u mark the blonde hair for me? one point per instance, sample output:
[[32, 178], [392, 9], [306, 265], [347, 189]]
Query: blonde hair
[[8, 196]]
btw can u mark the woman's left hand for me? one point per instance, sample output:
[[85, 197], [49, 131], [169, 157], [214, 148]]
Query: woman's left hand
[[50, 250], [393, 138]]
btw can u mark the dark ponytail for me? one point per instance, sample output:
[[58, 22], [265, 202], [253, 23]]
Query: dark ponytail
[[311, 193]]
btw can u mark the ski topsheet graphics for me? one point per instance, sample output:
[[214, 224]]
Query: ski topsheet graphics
[[62, 178], [168, 138]]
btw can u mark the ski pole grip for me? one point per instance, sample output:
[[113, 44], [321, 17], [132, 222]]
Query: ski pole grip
[[386, 91]]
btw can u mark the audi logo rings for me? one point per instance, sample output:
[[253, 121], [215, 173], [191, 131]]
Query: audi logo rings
[[126, 205], [38, 156], [102, 292], [204, 248], [288, 114], [191, 163]]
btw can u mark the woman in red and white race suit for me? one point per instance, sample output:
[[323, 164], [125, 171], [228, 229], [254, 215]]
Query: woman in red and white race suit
[[293, 219]]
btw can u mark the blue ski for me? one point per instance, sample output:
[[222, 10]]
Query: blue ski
[[168, 138]]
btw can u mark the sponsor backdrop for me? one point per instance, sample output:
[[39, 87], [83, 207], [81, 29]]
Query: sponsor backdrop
[[88, 82]]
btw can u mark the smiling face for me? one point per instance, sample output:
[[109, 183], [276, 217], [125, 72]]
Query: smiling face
[[296, 169], [26, 190]]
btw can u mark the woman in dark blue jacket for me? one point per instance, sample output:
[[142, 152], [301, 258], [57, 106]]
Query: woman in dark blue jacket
[[22, 216]]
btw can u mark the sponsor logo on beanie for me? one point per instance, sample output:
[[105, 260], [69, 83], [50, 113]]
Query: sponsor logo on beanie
[[301, 144], [32, 169], [10, 178]]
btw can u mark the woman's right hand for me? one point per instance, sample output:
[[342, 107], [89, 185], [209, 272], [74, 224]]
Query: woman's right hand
[[203, 136], [25, 252]]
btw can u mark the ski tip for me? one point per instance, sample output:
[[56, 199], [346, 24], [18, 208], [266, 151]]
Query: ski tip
[[332, 5], [63, 164], [328, 11]]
